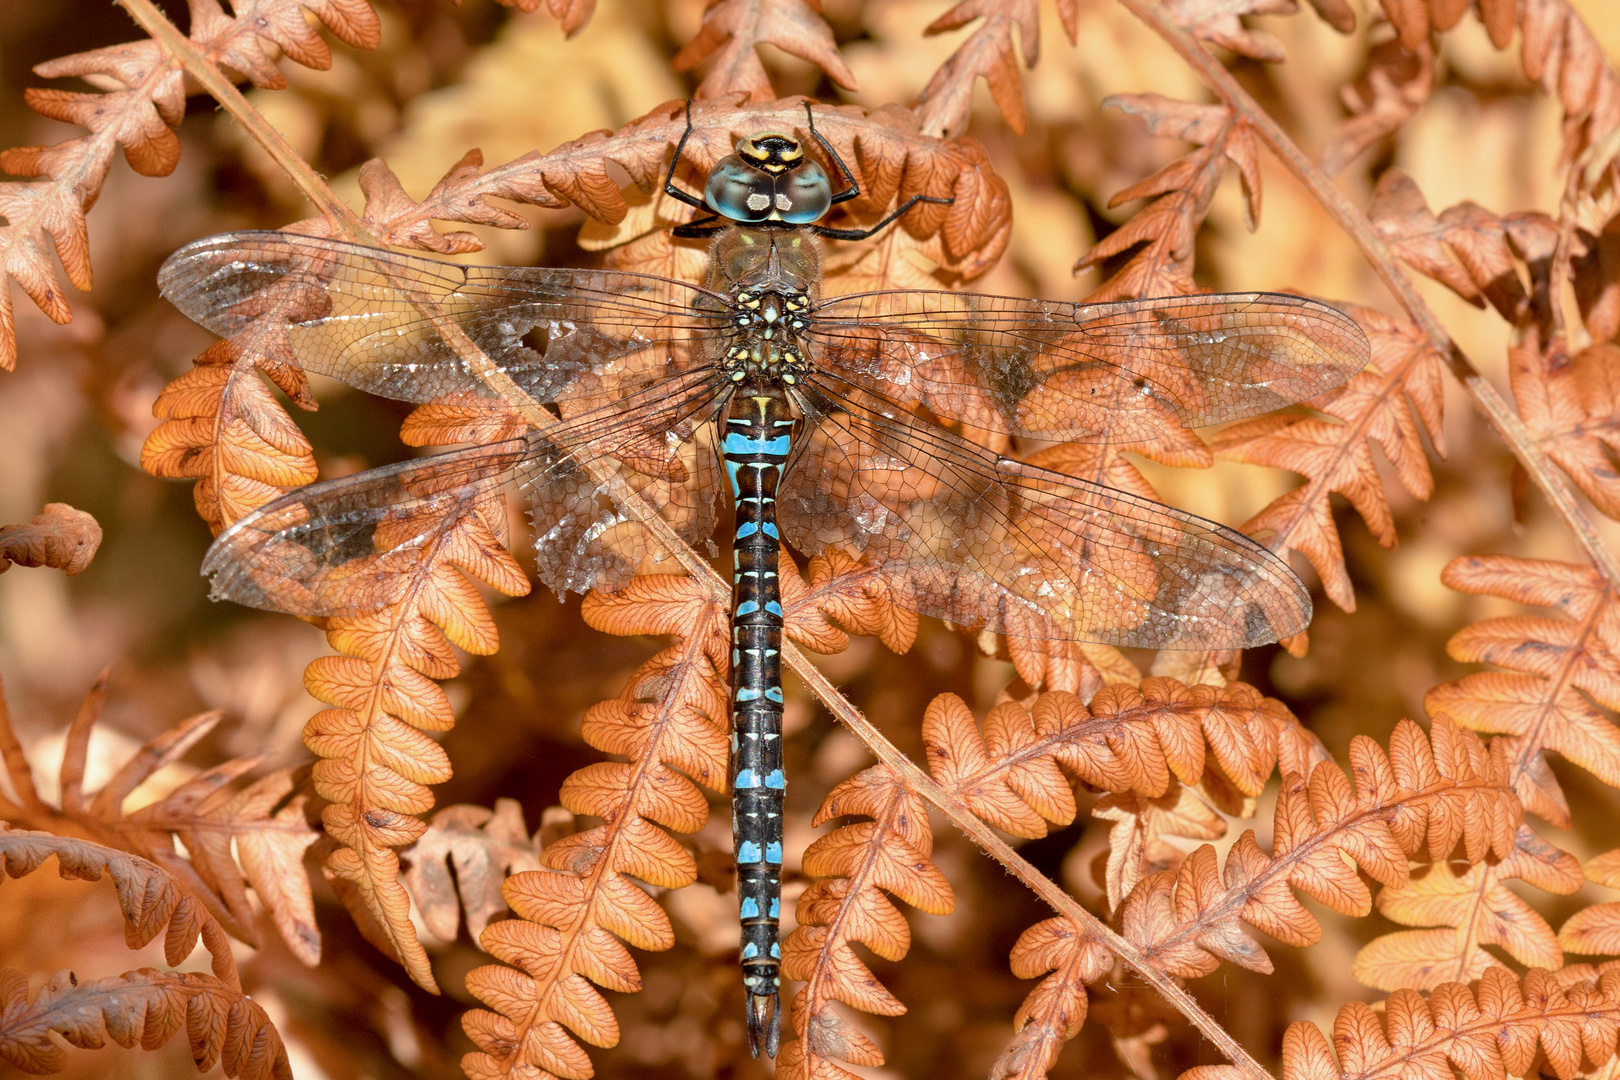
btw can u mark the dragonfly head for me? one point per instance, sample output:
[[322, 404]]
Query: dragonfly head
[[769, 178]]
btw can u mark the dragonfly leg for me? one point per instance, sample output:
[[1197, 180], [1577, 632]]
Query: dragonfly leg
[[669, 181], [862, 234], [700, 228], [853, 191]]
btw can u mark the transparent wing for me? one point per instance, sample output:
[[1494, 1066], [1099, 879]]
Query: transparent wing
[[984, 540], [356, 544], [1083, 372], [355, 313]]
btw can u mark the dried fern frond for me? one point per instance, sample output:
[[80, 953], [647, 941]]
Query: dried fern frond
[[234, 838], [1543, 703], [224, 1026], [1429, 792], [856, 865], [1159, 237], [152, 901], [1393, 403], [140, 117], [575, 915], [1503, 1028]]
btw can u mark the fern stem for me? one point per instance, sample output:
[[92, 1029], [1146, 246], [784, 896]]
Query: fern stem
[[213, 81], [1349, 217], [992, 844]]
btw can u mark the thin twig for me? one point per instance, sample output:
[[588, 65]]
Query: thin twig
[[1349, 217]]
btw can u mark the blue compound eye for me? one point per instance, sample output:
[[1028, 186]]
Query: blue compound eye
[[806, 193], [740, 191]]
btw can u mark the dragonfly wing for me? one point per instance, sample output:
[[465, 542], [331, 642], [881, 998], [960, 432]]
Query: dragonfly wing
[[366, 316], [357, 543], [1087, 372], [978, 539]]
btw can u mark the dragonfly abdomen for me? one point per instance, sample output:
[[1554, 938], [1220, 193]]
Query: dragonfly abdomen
[[757, 437]]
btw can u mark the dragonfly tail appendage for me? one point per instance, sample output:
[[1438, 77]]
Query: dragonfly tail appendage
[[764, 1023]]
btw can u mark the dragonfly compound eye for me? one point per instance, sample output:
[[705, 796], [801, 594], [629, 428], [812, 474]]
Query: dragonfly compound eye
[[740, 190]]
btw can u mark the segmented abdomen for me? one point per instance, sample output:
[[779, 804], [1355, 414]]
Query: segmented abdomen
[[757, 436]]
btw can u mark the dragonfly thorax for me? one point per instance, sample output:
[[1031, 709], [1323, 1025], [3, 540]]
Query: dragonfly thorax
[[769, 340]]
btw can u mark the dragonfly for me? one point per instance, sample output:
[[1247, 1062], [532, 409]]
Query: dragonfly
[[835, 421]]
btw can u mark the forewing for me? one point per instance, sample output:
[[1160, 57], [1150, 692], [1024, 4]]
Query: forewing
[[354, 544], [988, 541], [1087, 372], [367, 317]]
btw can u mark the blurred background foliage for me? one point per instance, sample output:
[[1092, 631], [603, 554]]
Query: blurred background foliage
[[446, 79]]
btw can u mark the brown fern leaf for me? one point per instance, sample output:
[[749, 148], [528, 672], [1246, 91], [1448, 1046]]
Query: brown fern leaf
[[1467, 248], [1130, 740], [140, 117], [1393, 402], [1570, 405], [1420, 794], [1505, 1027], [1394, 87], [263, 823], [1186, 920], [1054, 1011], [1557, 666], [61, 537], [1596, 929], [484, 847], [153, 902], [147, 1008], [856, 864], [732, 32], [377, 760], [223, 427], [851, 596], [1219, 22], [1181, 194], [1138, 843], [946, 102], [672, 724]]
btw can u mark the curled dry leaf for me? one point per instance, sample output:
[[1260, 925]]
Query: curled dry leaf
[[61, 538], [1395, 86], [484, 848]]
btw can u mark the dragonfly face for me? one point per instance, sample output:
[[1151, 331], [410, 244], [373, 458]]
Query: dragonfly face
[[809, 410]]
